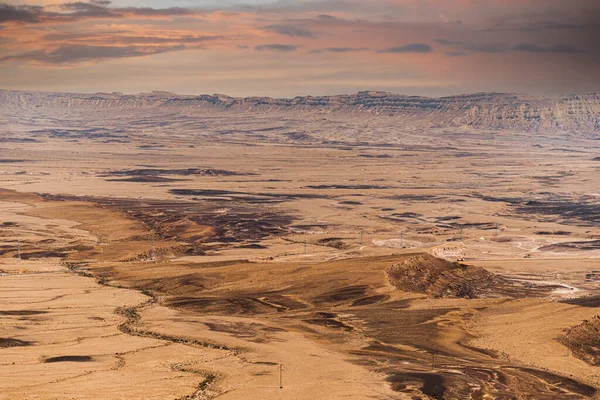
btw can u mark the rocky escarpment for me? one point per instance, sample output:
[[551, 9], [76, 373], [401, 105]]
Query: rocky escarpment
[[574, 113]]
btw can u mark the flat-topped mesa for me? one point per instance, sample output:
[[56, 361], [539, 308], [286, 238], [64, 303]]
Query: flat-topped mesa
[[571, 113]]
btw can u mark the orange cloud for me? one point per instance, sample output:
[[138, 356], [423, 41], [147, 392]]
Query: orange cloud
[[340, 44]]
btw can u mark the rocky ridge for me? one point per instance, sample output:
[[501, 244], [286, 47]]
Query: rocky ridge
[[572, 113]]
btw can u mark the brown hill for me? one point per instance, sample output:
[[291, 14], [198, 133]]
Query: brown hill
[[436, 277]]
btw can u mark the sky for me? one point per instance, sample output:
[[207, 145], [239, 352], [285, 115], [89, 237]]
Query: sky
[[287, 48]]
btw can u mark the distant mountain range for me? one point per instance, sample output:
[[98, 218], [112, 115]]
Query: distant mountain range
[[489, 111]]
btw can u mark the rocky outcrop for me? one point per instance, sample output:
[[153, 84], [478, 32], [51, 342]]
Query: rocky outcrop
[[584, 340], [490, 111], [436, 277]]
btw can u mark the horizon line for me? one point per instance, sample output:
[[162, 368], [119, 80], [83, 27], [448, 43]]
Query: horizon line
[[119, 93]]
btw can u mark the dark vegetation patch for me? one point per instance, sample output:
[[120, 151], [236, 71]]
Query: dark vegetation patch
[[487, 352], [249, 331], [429, 384], [417, 326], [350, 187], [403, 216], [147, 172], [342, 295], [447, 218], [17, 140], [366, 301], [21, 312], [485, 226], [585, 301], [375, 155], [319, 226], [42, 254], [451, 379], [68, 359], [567, 150], [9, 224], [251, 131], [585, 211], [10, 342], [415, 197], [572, 246], [144, 179], [11, 161], [350, 203], [228, 195], [328, 323], [87, 133], [177, 285], [242, 221], [298, 136], [592, 276], [334, 242], [116, 141], [553, 233], [253, 246], [230, 306]]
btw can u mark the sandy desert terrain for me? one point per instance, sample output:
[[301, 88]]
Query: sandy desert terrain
[[161, 253]]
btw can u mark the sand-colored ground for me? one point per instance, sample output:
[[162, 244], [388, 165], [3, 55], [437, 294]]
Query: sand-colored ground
[[51, 313], [58, 314], [279, 253], [311, 317]]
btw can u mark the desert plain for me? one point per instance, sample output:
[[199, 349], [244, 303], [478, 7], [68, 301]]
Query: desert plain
[[200, 252]]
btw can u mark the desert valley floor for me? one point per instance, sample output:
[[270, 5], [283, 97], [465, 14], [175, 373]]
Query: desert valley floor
[[276, 256]]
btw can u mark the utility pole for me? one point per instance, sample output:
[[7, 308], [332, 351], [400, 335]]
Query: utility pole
[[153, 254], [496, 229], [401, 239], [19, 250], [280, 376], [361, 237], [461, 233]]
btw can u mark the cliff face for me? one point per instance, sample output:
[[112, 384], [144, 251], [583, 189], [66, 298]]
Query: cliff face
[[575, 113]]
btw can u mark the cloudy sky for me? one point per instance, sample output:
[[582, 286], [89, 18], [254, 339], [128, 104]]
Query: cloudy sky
[[299, 47]]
